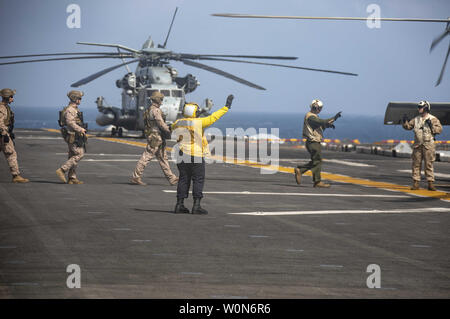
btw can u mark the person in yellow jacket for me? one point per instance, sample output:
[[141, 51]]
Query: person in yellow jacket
[[193, 147]]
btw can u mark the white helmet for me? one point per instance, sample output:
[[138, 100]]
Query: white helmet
[[425, 104], [316, 103], [190, 110]]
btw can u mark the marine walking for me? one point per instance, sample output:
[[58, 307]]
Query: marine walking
[[73, 130], [7, 135], [156, 132]]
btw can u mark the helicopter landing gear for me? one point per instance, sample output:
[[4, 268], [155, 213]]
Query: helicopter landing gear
[[118, 131]]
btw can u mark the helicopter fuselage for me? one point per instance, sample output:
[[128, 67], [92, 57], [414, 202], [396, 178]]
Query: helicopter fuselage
[[137, 88]]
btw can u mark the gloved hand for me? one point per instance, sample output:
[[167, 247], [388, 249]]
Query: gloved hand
[[6, 138], [229, 101], [428, 122], [405, 118], [338, 115]]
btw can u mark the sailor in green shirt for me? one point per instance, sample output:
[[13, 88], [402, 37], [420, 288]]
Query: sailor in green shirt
[[313, 127]]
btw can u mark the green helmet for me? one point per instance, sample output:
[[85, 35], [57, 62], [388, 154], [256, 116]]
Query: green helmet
[[75, 95], [157, 97], [7, 93]]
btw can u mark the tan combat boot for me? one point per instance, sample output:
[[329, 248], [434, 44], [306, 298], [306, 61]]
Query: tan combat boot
[[321, 184], [415, 185], [61, 175], [298, 175], [137, 181], [75, 181], [19, 179], [431, 186]]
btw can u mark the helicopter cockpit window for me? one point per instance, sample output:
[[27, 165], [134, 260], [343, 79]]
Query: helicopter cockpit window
[[165, 92], [176, 93], [150, 92]]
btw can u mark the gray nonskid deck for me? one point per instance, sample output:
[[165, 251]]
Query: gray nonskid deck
[[128, 243]]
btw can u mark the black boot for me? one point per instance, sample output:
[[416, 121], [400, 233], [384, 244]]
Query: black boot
[[180, 208], [197, 209]]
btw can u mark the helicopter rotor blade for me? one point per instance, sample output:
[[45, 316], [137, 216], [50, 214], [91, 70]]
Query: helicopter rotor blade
[[70, 58], [100, 73], [57, 54], [443, 67], [110, 45], [237, 15], [222, 73], [438, 39], [170, 28], [284, 66], [198, 56]]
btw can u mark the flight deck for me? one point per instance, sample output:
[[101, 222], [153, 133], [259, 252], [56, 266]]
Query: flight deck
[[264, 237]]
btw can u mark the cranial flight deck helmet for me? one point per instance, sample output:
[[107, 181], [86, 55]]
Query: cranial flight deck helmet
[[425, 104], [190, 110], [316, 104]]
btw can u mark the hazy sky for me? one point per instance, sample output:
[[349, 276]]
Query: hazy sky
[[393, 62]]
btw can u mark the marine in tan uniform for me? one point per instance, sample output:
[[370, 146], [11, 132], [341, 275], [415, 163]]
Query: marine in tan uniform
[[313, 128], [156, 131], [425, 127], [74, 133], [7, 135]]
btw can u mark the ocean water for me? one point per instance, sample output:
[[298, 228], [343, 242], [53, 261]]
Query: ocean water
[[367, 129]]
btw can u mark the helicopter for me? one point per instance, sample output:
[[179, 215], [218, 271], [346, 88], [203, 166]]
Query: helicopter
[[154, 73]]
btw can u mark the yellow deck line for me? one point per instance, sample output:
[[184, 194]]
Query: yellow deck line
[[328, 176]]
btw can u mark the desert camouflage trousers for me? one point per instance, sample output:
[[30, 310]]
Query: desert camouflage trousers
[[75, 155], [11, 156], [156, 149], [426, 153]]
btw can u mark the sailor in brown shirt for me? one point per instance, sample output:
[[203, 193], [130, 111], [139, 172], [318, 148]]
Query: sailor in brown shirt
[[7, 135], [156, 131]]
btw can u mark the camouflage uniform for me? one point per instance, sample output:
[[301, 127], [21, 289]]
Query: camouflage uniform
[[6, 127], [72, 118], [424, 147], [6, 116], [155, 130]]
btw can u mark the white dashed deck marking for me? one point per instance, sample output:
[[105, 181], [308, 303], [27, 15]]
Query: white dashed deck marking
[[348, 163], [350, 211]]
